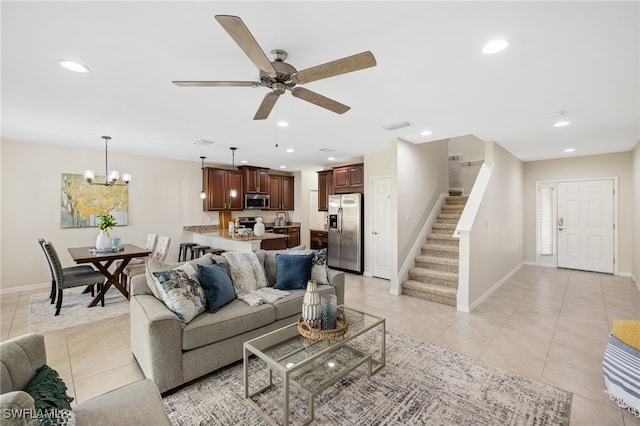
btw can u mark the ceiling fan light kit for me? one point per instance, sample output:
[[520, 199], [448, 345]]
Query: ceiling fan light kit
[[280, 76]]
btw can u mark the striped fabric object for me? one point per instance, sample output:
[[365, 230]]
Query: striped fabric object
[[621, 367]]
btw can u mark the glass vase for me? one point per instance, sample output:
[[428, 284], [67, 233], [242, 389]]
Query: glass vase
[[329, 303]]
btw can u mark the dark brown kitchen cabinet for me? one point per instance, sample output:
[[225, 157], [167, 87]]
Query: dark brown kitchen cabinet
[[318, 239], [292, 233], [281, 192], [256, 179], [348, 178], [325, 188], [217, 184]]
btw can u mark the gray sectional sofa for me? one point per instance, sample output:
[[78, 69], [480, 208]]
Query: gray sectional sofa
[[171, 356]]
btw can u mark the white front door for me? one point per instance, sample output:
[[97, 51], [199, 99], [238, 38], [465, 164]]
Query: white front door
[[585, 225], [381, 228]]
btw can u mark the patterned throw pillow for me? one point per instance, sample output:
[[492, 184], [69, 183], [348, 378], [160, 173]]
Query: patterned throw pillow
[[183, 296]]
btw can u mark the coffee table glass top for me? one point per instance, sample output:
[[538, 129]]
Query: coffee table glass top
[[287, 348]]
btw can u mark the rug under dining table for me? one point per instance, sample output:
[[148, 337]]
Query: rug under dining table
[[74, 309]]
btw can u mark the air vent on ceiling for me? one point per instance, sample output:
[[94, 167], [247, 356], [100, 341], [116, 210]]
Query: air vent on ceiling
[[326, 150], [396, 126], [203, 142]]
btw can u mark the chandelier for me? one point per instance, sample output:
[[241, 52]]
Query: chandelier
[[110, 177]]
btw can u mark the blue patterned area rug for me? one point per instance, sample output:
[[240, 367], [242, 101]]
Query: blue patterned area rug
[[421, 384]]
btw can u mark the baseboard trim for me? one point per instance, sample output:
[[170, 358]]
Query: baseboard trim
[[488, 293], [29, 287]]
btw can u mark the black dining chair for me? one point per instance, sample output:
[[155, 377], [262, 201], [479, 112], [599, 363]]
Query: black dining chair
[[70, 280], [68, 270]]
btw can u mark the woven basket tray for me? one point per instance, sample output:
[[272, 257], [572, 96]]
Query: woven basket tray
[[317, 334]]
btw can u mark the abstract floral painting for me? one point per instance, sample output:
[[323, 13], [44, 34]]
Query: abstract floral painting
[[81, 203]]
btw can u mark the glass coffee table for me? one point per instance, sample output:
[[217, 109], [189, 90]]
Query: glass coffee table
[[310, 366]]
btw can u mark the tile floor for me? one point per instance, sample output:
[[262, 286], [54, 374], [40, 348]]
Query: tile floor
[[547, 324]]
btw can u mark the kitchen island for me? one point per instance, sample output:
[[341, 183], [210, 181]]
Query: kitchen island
[[212, 236]]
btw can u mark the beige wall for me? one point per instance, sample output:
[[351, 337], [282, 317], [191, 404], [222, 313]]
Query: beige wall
[[423, 174], [163, 197], [635, 268], [491, 227], [595, 166]]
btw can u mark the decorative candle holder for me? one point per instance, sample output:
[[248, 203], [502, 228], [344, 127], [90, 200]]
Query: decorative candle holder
[[329, 304]]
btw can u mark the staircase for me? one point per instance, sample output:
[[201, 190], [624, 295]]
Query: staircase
[[435, 276]]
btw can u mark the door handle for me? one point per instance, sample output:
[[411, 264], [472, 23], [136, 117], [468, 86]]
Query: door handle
[[374, 233]]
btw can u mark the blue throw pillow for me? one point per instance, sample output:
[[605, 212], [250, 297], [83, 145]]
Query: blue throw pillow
[[293, 271], [217, 286]]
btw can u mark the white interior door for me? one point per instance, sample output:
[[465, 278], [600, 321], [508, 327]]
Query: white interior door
[[381, 229], [585, 225]]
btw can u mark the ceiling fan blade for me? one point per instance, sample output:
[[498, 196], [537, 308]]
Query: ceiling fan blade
[[216, 83], [319, 100], [242, 36], [340, 66], [266, 106]]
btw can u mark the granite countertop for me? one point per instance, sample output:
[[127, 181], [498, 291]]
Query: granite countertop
[[214, 231]]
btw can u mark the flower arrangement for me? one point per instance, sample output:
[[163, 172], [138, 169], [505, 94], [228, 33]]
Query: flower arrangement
[[106, 222]]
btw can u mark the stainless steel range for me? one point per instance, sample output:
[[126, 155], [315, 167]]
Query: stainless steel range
[[250, 221]]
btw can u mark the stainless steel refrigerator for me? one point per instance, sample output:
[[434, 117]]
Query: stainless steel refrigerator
[[345, 250]]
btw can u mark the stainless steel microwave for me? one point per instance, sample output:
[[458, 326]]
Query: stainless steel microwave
[[256, 202]]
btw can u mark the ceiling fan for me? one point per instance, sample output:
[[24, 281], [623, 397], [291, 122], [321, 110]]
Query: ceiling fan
[[280, 76]]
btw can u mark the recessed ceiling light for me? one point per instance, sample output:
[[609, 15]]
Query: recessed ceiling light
[[282, 124], [569, 150], [283, 167], [244, 161], [73, 66], [562, 123], [291, 150], [331, 158], [426, 132], [494, 46]]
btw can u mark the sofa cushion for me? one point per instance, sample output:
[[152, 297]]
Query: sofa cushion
[[291, 305], [182, 295], [217, 286], [293, 271], [231, 320]]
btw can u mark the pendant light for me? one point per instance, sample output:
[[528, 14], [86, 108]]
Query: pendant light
[[233, 192], [110, 177], [203, 194]]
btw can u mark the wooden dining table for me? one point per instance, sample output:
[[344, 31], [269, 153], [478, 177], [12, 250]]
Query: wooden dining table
[[103, 260]]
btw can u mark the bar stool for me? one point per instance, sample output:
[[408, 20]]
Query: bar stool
[[198, 250], [182, 256], [216, 251]]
